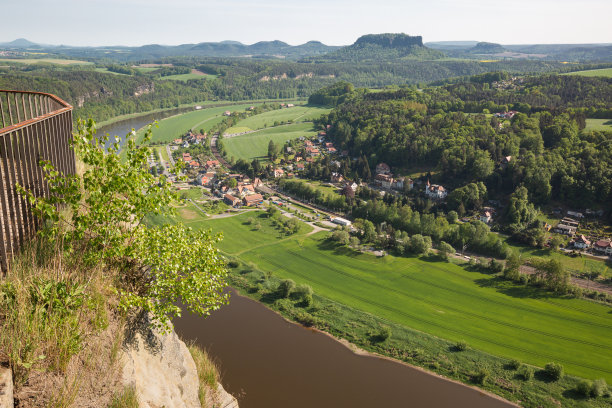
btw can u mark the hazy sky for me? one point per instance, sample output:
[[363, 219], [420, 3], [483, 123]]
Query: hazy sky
[[334, 22]]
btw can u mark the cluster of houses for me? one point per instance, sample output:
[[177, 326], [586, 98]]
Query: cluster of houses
[[244, 194], [385, 180], [313, 149], [190, 139], [435, 191], [602, 246]]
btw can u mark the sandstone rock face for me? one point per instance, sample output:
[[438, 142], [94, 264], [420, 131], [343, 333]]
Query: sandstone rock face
[[6, 388], [160, 367]]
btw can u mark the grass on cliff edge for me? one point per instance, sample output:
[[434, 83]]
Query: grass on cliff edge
[[208, 375]]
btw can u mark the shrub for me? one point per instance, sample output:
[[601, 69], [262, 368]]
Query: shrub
[[554, 371], [285, 287], [480, 376], [233, 264], [584, 388], [308, 300], [514, 364], [461, 346], [525, 372], [382, 334], [305, 318], [599, 388]]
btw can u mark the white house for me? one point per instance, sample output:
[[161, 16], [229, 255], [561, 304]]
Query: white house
[[435, 191], [486, 217], [581, 242]]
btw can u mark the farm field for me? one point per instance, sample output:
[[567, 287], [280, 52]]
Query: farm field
[[255, 145], [443, 299], [57, 61], [598, 124], [300, 113], [186, 77], [605, 72], [175, 126]]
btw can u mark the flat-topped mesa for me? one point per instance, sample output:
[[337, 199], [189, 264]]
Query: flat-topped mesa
[[391, 40]]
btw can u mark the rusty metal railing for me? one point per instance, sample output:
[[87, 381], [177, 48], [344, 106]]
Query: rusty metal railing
[[34, 126]]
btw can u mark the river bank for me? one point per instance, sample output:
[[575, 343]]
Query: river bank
[[269, 361], [437, 357]]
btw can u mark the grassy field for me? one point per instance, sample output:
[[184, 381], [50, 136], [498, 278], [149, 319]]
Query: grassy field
[[443, 299], [599, 124], [298, 113], [175, 126], [106, 71], [605, 72], [186, 77], [47, 61], [255, 145]]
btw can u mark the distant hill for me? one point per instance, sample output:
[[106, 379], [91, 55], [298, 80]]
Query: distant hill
[[451, 45], [486, 48], [19, 43], [384, 47], [271, 49]]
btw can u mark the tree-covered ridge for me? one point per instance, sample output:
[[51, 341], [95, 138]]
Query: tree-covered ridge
[[546, 151]]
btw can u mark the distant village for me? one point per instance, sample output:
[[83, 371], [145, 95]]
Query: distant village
[[238, 190]]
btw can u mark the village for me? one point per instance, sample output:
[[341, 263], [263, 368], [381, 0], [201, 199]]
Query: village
[[235, 190]]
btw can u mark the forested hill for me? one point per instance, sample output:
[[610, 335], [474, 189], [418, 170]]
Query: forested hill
[[383, 47], [549, 152]]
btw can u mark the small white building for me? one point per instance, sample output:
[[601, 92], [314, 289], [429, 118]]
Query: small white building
[[341, 221], [486, 217]]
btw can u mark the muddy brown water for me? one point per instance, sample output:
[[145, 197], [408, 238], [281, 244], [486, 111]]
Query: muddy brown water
[[268, 362]]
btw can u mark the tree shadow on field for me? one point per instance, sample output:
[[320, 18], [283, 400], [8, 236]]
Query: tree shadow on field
[[515, 290], [337, 249]]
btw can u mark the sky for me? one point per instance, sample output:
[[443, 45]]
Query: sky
[[333, 22]]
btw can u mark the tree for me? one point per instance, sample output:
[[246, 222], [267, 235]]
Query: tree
[[272, 150], [285, 287], [369, 232], [340, 236], [521, 213], [445, 250], [161, 267]]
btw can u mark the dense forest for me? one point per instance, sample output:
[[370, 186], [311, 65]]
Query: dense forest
[[543, 150]]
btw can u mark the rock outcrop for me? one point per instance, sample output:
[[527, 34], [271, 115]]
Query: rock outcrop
[[163, 371], [6, 388]]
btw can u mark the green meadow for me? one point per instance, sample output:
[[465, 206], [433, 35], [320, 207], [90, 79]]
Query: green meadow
[[175, 126], [444, 299], [186, 77], [302, 113], [599, 124], [604, 72], [255, 145]]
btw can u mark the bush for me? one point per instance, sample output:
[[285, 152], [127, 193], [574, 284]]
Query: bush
[[599, 388], [308, 300], [480, 376], [554, 371], [383, 333], [461, 346], [286, 287], [514, 364], [303, 290], [584, 388], [305, 318], [525, 372], [233, 264]]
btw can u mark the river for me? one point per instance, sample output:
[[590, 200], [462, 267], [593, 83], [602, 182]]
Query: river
[[268, 362]]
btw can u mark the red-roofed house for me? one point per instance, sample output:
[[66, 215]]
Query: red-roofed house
[[435, 191], [194, 163], [231, 200], [252, 199], [603, 246], [279, 173]]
